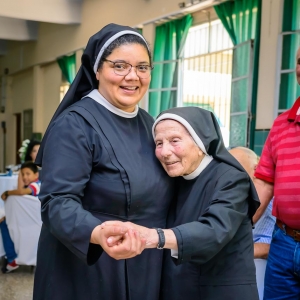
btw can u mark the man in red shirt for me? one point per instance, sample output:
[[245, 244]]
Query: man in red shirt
[[278, 173]]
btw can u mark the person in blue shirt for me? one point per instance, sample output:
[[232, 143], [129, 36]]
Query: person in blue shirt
[[263, 228]]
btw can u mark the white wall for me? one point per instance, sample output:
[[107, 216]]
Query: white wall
[[271, 24]]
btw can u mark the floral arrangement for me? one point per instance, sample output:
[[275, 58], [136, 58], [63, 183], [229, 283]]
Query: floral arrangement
[[22, 151]]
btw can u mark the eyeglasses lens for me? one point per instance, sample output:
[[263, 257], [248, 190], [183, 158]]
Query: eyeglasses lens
[[123, 69]]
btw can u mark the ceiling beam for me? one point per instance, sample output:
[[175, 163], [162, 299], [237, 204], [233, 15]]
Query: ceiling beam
[[51, 11], [18, 30]]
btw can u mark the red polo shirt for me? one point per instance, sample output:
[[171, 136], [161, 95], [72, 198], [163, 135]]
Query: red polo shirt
[[280, 164]]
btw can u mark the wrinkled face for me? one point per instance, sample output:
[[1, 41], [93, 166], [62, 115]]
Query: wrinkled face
[[34, 152], [176, 149], [124, 92], [29, 176], [298, 66]]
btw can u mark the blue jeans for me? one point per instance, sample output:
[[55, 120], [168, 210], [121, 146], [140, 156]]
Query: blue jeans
[[282, 278], [7, 243]]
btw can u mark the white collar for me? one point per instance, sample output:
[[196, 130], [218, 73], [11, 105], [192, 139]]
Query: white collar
[[203, 164], [95, 95]]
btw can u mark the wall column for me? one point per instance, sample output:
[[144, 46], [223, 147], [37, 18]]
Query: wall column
[[38, 107], [78, 59], [149, 34], [271, 27], [9, 120]]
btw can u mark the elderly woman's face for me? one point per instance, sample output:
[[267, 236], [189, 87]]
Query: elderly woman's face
[[176, 149], [124, 92]]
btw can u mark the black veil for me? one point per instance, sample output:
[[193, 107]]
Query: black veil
[[204, 124], [85, 80]]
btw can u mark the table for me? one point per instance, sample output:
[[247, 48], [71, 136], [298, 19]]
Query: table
[[6, 183], [23, 218]]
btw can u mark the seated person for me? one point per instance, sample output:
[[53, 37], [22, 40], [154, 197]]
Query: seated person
[[30, 155], [30, 177], [262, 232]]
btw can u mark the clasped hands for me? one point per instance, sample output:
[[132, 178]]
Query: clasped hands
[[122, 240]]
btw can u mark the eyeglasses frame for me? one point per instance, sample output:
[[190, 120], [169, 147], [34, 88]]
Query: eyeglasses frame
[[131, 66]]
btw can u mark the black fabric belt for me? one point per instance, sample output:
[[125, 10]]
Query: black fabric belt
[[294, 233]]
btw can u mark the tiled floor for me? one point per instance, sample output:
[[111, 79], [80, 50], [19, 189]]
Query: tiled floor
[[17, 285]]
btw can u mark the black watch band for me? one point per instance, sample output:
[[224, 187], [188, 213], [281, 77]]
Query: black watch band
[[161, 238]]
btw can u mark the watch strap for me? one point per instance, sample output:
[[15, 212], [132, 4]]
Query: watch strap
[[161, 238]]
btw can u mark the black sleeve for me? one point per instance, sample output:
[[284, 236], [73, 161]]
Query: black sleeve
[[67, 164], [201, 240]]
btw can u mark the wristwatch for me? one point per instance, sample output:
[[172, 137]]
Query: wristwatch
[[161, 238]]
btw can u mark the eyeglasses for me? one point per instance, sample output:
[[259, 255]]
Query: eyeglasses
[[123, 69]]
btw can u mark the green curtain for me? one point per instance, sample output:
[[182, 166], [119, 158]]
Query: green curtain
[[169, 43], [242, 19], [67, 64], [289, 89]]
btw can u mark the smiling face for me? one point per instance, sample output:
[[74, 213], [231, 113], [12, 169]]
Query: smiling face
[[29, 176], [176, 149], [124, 92]]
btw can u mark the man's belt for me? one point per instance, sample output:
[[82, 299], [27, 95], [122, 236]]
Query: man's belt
[[294, 233]]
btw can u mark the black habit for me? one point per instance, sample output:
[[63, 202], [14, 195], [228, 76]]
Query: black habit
[[90, 175], [97, 166], [212, 222]]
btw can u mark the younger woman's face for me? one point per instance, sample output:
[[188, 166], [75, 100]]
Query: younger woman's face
[[34, 152], [124, 92]]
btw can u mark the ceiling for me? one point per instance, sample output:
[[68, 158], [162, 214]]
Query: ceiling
[[19, 19]]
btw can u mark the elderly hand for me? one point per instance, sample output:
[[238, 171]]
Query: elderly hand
[[129, 245], [150, 235]]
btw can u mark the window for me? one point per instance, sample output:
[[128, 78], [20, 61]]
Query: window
[[288, 89], [206, 72]]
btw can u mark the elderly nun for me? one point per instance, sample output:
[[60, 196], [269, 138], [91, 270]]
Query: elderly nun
[[210, 222], [211, 254]]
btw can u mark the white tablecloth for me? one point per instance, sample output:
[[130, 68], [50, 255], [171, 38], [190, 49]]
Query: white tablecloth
[[6, 183], [23, 218]]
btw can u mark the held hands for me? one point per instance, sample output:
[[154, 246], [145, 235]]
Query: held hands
[[149, 235], [127, 242]]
